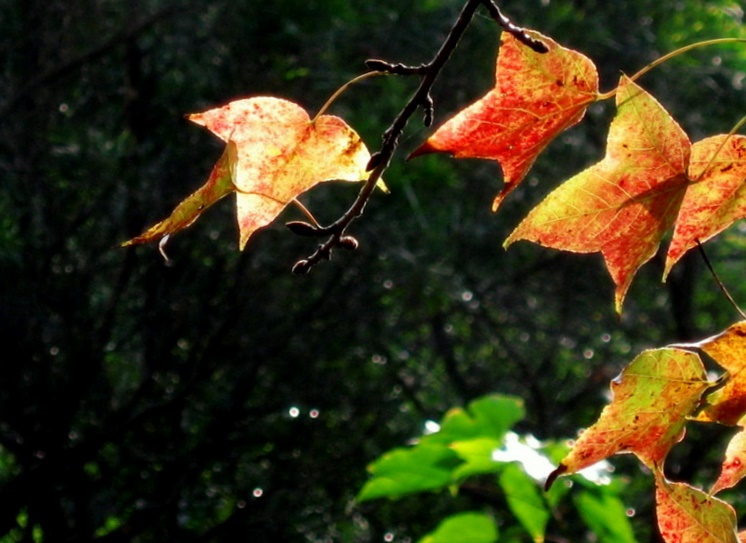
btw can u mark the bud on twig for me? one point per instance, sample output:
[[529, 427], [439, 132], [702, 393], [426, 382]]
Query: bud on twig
[[348, 242], [300, 228], [302, 267]]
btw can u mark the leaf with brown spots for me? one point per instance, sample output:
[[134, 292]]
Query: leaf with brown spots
[[623, 205], [727, 405], [717, 196], [734, 465], [280, 154], [652, 399], [688, 515], [536, 96]]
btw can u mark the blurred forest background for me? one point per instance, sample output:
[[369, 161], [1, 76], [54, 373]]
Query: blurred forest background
[[221, 398]]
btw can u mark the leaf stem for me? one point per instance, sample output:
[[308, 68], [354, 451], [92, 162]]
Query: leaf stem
[[306, 212], [718, 281], [668, 56], [733, 130], [343, 88]]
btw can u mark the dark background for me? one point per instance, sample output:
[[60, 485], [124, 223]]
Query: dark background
[[144, 402]]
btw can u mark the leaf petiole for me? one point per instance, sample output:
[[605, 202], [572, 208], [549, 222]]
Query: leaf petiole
[[306, 212], [733, 130], [719, 283], [343, 88], [668, 56]]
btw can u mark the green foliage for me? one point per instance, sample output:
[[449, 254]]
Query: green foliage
[[467, 452], [463, 528]]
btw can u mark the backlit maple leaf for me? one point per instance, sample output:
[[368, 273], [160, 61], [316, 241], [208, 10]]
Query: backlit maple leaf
[[688, 515], [727, 405], [733, 468], [716, 198], [282, 154], [536, 96], [651, 401], [279, 154], [624, 204]]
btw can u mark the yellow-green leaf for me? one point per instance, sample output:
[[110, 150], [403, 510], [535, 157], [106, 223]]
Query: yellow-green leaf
[[218, 185], [652, 399], [688, 515], [282, 154], [624, 204]]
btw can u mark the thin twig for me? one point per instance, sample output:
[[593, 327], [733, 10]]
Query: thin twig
[[341, 89], [718, 281], [521, 34], [669, 56], [380, 160]]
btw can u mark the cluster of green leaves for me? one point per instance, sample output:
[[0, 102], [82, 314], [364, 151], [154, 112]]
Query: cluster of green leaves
[[473, 451]]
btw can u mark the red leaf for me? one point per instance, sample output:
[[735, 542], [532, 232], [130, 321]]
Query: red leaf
[[716, 198], [536, 96]]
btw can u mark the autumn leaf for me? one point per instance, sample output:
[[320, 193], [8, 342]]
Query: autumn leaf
[[219, 185], [727, 405], [734, 465], [651, 401], [280, 153], [716, 198], [688, 515], [623, 205], [536, 96]]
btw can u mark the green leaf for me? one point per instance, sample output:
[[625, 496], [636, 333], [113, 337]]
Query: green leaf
[[463, 528], [405, 471], [525, 501], [606, 516], [497, 414], [477, 457], [489, 416]]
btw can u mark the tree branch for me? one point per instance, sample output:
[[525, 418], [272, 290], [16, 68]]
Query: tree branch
[[421, 98]]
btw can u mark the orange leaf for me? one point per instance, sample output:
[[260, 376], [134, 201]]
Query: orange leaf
[[727, 405], [651, 400], [688, 515], [281, 154], [536, 96], [218, 185], [734, 465], [716, 199], [622, 205]]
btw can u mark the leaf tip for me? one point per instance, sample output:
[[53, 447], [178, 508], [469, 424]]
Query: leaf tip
[[424, 149], [553, 476]]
